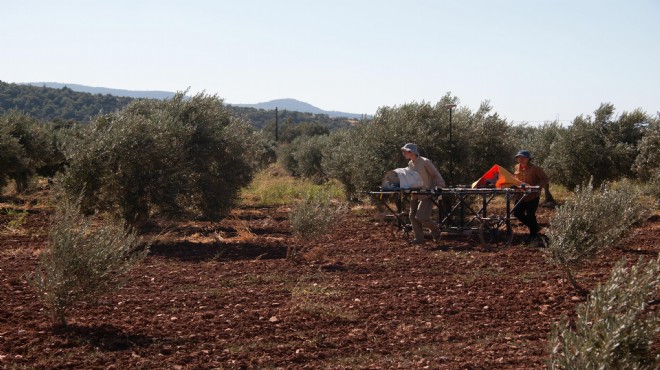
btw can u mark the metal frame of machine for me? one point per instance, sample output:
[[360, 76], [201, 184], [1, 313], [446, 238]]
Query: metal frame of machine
[[458, 213]]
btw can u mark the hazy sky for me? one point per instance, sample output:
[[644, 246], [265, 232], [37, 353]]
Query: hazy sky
[[534, 60]]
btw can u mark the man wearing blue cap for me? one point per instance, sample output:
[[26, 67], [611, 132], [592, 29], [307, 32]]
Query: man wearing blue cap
[[533, 175], [421, 206]]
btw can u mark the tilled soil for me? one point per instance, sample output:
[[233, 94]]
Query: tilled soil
[[222, 295]]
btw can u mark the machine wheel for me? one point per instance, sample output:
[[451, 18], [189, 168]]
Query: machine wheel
[[496, 231]]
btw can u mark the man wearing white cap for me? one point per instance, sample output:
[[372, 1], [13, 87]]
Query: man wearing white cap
[[421, 206]]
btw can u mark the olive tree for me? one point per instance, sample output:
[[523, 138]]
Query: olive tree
[[603, 147], [177, 156], [84, 259], [614, 329], [308, 155], [27, 147], [590, 222], [647, 163]]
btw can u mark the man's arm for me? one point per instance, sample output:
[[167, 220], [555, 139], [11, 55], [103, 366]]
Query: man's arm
[[545, 185], [433, 171], [543, 180]]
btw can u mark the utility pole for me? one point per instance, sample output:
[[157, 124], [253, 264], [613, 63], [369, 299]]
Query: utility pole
[[451, 143], [276, 123]]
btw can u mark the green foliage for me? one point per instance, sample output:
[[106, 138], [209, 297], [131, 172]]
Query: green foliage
[[336, 162], [291, 123], [538, 140], [647, 163], [483, 143], [303, 157], [309, 155], [359, 157], [13, 159], [590, 222], [603, 147], [27, 147], [49, 104], [289, 132], [83, 260], [653, 186], [614, 329], [174, 156], [286, 159], [312, 217]]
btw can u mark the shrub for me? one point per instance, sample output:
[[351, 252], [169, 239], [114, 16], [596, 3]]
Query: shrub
[[303, 157], [647, 162], [285, 157], [27, 147], [175, 156], [83, 260], [614, 328], [653, 186], [12, 156], [602, 147], [309, 156], [590, 222], [335, 163], [312, 217]]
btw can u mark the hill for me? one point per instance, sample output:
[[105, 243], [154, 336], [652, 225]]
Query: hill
[[106, 91], [298, 106], [51, 104], [64, 103], [282, 104]]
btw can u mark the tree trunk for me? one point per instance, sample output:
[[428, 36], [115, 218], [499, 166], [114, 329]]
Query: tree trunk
[[59, 319], [574, 282]]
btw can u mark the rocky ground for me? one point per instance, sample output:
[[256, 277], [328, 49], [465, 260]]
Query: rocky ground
[[222, 295]]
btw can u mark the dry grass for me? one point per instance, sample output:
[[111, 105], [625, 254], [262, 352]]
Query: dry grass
[[242, 227], [273, 187], [318, 300], [16, 220]]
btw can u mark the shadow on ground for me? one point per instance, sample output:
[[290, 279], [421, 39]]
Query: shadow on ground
[[104, 337], [201, 252]]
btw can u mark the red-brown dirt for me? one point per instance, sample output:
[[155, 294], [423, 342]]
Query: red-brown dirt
[[221, 295]]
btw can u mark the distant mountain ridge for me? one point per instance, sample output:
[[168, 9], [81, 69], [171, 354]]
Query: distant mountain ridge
[[49, 104], [298, 106], [282, 104], [64, 104], [105, 90]]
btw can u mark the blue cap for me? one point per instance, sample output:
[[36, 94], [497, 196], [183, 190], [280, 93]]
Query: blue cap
[[410, 147], [524, 153]]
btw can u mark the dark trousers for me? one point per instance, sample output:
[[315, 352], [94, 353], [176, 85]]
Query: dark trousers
[[526, 213]]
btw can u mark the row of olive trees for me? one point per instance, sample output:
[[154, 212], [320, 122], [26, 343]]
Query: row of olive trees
[[603, 147], [181, 147], [358, 157], [177, 156]]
